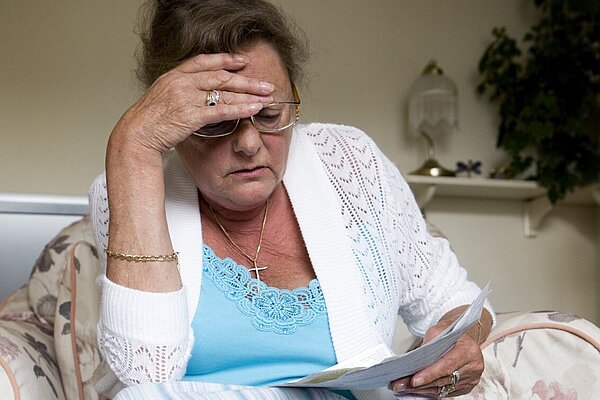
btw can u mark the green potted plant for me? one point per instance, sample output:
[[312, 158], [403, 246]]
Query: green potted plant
[[549, 95]]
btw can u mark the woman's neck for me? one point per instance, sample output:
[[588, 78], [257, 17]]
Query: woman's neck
[[234, 220]]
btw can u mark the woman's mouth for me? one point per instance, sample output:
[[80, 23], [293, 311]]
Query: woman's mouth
[[254, 172]]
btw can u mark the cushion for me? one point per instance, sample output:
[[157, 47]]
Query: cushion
[[75, 323], [28, 368], [48, 270]]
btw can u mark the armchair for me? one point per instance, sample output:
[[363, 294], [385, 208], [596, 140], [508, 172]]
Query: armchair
[[48, 338]]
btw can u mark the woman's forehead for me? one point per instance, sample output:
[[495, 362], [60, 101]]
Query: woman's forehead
[[264, 63]]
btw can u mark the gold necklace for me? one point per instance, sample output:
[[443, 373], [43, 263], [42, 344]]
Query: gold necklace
[[255, 268]]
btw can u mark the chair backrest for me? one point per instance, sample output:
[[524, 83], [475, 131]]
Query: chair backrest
[[27, 223]]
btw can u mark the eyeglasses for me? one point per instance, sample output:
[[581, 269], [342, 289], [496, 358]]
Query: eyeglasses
[[274, 118]]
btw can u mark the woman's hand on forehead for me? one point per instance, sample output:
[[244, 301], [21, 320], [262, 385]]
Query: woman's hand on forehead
[[218, 73], [175, 105]]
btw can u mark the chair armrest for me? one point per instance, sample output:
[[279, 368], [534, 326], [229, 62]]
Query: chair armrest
[[534, 355], [28, 367], [548, 354]]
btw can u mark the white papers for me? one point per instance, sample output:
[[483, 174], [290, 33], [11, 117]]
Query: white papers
[[378, 366]]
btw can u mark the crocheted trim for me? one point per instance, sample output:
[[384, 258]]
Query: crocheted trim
[[271, 309]]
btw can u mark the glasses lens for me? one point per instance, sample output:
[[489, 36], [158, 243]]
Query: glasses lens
[[275, 118], [219, 129]]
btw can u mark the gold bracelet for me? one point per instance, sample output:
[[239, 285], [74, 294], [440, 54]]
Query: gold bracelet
[[138, 258]]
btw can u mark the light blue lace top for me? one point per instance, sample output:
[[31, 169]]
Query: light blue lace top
[[251, 334]]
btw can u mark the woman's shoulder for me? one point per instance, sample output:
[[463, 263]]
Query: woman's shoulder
[[321, 130], [327, 136]]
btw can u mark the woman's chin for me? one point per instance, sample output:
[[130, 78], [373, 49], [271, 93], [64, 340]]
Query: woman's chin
[[249, 196]]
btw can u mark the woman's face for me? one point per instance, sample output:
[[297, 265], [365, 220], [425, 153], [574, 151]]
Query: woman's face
[[240, 171]]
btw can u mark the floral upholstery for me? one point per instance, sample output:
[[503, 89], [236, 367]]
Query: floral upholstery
[[540, 356], [49, 268], [48, 340], [75, 324], [48, 327], [27, 354]]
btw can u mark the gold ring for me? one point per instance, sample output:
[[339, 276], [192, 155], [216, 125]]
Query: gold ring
[[455, 377], [212, 98], [446, 390]]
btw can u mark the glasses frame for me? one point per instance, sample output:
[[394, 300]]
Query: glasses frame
[[296, 102]]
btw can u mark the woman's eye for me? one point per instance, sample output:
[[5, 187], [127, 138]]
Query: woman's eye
[[218, 128], [268, 120], [267, 115]]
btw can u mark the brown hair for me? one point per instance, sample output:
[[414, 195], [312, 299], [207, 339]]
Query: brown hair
[[175, 30]]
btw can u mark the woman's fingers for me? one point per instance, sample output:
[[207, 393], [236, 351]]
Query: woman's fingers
[[176, 103], [218, 72], [230, 81], [465, 357], [232, 98], [212, 62], [210, 115]]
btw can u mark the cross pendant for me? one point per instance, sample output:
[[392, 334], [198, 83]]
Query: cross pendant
[[256, 269]]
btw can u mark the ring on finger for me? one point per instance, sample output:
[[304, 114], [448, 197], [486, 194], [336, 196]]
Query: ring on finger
[[446, 390], [212, 98], [454, 378]]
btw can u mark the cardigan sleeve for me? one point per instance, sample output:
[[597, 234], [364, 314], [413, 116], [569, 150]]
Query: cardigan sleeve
[[143, 336], [404, 269], [433, 280]]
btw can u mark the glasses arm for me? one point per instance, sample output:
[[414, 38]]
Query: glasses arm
[[296, 101]]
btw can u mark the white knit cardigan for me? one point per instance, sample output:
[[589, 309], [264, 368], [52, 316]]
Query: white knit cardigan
[[365, 235]]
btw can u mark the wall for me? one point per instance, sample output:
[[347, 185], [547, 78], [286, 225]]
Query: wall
[[557, 270], [67, 77]]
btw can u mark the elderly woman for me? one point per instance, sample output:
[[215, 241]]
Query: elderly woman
[[243, 248]]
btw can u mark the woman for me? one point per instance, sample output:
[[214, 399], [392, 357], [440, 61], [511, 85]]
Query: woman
[[242, 248]]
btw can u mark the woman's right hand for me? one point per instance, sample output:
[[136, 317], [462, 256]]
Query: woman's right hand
[[174, 106]]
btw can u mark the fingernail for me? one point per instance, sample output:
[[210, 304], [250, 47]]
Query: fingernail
[[267, 86], [418, 381], [240, 58], [255, 107], [399, 387], [266, 99]]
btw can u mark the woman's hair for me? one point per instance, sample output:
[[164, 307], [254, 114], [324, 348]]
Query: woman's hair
[[175, 30]]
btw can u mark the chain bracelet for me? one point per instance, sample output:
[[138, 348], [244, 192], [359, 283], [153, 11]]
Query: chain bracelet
[[144, 258]]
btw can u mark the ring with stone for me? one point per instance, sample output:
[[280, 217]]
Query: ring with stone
[[446, 390], [212, 98], [454, 378]]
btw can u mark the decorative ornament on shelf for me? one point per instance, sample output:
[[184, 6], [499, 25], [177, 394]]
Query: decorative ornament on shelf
[[468, 169], [432, 111]]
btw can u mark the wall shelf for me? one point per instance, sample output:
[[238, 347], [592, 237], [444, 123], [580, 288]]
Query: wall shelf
[[537, 205]]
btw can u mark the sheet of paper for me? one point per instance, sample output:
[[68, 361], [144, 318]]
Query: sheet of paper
[[369, 370]]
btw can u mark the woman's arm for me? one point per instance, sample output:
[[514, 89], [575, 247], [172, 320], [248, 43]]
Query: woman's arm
[[144, 328], [164, 116], [137, 223]]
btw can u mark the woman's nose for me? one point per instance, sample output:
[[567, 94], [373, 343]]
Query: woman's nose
[[246, 139]]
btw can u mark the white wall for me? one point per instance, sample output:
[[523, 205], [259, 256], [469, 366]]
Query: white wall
[[67, 77], [557, 270]]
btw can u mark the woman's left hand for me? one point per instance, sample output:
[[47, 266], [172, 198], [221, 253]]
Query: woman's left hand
[[436, 379]]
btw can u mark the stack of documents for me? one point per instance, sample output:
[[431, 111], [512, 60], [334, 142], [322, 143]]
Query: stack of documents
[[378, 366]]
